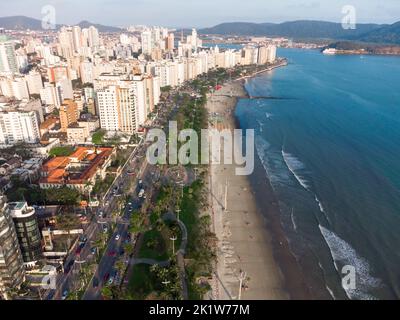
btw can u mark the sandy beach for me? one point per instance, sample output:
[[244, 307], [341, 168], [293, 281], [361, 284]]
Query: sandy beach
[[245, 252]]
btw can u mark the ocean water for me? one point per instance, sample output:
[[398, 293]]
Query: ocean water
[[330, 146]]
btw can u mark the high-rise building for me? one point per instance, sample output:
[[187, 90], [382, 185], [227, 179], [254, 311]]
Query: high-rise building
[[28, 234], [14, 86], [57, 73], [19, 122], [127, 110], [12, 270], [66, 41], [51, 95], [271, 53], [65, 88], [8, 58], [20, 88], [77, 38], [149, 93], [124, 39], [93, 37], [171, 42], [122, 104], [86, 70], [108, 108], [68, 114], [147, 42], [34, 82], [262, 55]]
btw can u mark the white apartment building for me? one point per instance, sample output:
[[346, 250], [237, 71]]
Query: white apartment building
[[51, 95], [34, 82], [65, 88], [8, 58], [147, 42], [14, 87], [123, 104], [108, 108], [18, 125]]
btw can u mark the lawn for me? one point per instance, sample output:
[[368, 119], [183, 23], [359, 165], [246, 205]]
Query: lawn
[[190, 206], [154, 246], [98, 136], [141, 283], [61, 151]]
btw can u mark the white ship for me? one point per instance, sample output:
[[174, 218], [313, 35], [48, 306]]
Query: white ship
[[329, 51]]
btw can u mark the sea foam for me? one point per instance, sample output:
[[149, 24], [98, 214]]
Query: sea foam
[[294, 165], [344, 253]]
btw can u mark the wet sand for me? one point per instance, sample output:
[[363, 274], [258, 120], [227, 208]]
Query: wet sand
[[245, 247]]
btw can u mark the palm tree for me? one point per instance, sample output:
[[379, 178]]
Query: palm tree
[[107, 293], [129, 249], [88, 188], [120, 266]]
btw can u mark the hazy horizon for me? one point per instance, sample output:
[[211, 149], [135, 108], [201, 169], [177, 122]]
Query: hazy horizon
[[203, 14]]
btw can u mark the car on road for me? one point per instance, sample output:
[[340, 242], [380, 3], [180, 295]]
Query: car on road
[[112, 254], [93, 250], [117, 237], [141, 193], [95, 282], [78, 250], [67, 269], [106, 277], [110, 281], [83, 239], [64, 295]]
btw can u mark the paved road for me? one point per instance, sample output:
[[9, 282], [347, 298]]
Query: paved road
[[106, 265], [67, 282]]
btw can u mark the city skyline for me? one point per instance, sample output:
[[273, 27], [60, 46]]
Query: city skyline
[[208, 13]]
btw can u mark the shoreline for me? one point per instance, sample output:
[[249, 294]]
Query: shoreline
[[244, 247], [279, 64], [252, 232]]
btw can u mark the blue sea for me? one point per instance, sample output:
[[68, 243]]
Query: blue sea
[[328, 137]]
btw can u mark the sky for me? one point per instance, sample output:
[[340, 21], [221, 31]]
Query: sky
[[202, 13]]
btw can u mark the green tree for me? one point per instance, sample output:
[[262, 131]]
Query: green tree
[[137, 223], [129, 249], [107, 293]]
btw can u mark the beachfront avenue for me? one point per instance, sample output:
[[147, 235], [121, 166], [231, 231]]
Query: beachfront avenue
[[166, 151]]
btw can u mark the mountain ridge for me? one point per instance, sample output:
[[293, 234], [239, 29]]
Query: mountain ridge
[[311, 29], [24, 23]]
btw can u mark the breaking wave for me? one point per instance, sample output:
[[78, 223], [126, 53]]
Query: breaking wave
[[344, 253], [294, 165]]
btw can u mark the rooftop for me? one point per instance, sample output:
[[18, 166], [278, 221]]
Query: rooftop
[[77, 168]]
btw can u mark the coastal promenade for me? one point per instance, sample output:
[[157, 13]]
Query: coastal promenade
[[280, 63]]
